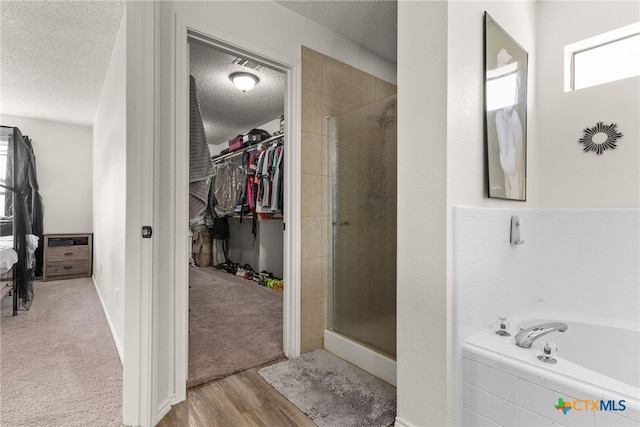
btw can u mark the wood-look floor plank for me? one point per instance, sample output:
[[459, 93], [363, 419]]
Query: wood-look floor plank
[[216, 406], [178, 416], [244, 399]]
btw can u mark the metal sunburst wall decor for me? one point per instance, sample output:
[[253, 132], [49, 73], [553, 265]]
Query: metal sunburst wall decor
[[600, 138]]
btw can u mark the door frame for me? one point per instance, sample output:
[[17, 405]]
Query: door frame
[[291, 68]]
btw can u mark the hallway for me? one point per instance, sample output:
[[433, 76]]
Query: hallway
[[58, 360]]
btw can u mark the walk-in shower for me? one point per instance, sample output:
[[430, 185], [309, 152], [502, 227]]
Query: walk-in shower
[[363, 301]]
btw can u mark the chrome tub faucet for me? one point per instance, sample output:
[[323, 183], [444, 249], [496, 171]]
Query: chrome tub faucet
[[526, 337]]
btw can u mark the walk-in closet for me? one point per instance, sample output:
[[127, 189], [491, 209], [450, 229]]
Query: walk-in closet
[[237, 153]]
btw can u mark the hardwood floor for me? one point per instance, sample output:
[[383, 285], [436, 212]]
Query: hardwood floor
[[243, 399]]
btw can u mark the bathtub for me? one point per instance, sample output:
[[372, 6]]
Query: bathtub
[[598, 359]]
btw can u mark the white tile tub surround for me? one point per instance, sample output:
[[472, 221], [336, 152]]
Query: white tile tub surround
[[501, 391], [583, 258], [591, 260], [491, 277], [587, 259]]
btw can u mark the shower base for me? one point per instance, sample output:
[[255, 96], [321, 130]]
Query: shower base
[[369, 360]]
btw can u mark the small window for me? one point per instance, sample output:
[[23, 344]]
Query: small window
[[4, 145], [611, 56]]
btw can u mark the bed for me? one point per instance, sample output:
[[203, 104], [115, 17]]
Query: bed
[[9, 256]]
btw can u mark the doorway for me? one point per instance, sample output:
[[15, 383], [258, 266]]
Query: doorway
[[236, 205], [289, 65]]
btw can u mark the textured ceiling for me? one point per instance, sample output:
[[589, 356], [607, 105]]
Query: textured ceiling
[[370, 23], [54, 57], [227, 111]]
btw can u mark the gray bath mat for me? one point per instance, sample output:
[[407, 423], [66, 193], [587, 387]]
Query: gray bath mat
[[332, 392]]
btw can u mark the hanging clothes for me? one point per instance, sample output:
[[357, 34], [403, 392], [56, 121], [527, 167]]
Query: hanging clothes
[[266, 169], [277, 179], [228, 188], [251, 170], [256, 186]]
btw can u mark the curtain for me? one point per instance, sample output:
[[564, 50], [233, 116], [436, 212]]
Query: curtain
[[24, 204]]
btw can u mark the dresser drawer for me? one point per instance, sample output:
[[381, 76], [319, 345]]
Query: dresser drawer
[[62, 268], [68, 253]]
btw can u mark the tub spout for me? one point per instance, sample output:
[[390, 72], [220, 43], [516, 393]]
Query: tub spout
[[526, 337]]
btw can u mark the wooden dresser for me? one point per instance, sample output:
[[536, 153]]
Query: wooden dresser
[[67, 256]]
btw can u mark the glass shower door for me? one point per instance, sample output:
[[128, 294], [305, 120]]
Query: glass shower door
[[364, 225]]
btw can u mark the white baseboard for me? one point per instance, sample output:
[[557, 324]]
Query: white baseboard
[[402, 423], [165, 407], [106, 313], [371, 361]]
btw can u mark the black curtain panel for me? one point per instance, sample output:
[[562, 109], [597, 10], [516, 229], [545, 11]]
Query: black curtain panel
[[24, 206]]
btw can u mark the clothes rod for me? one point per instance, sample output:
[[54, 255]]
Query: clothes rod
[[247, 148]]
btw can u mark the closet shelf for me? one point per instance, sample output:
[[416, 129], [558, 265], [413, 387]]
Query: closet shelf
[[250, 216], [240, 152]]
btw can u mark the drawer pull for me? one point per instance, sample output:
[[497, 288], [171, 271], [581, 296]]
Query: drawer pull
[[68, 267], [68, 253]]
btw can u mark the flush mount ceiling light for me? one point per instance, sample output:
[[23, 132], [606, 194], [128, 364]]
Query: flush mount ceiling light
[[244, 81]]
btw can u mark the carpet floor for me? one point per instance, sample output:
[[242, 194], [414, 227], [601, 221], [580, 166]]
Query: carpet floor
[[59, 363], [332, 392], [235, 324]]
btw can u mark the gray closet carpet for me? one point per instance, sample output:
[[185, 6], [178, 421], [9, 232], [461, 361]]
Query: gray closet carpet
[[235, 324]]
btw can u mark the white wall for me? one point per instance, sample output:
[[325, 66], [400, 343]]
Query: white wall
[[281, 42], [466, 174], [243, 248], [262, 253], [64, 163], [123, 203], [423, 310], [467, 183], [568, 177], [271, 250], [444, 41], [109, 204]]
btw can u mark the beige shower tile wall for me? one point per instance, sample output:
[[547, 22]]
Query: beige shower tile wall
[[329, 88]]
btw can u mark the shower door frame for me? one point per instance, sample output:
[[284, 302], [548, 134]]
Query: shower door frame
[[351, 349]]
